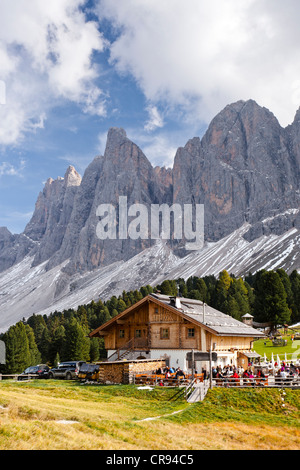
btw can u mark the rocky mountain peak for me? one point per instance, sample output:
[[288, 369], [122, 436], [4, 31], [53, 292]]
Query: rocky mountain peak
[[244, 169], [115, 138], [72, 178], [114, 132], [4, 233]]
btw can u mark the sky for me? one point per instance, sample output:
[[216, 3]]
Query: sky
[[160, 69]]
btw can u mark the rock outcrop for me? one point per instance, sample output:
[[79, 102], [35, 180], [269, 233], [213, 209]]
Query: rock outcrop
[[245, 169]]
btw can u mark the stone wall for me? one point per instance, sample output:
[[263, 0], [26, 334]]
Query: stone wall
[[123, 372]]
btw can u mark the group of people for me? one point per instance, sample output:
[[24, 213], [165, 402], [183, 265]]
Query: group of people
[[232, 374], [283, 373], [169, 372], [286, 372], [231, 371]]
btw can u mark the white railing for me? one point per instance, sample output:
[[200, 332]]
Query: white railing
[[268, 381]]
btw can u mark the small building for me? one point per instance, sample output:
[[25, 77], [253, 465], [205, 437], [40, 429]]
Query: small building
[[160, 327], [247, 319], [244, 358]]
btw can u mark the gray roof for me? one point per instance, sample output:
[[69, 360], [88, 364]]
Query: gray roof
[[209, 317], [250, 354]]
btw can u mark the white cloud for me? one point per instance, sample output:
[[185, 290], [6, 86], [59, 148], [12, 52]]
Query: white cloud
[[7, 169], [155, 119], [208, 54], [160, 150], [46, 56]]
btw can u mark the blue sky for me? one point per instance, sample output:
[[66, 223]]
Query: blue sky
[[161, 69]]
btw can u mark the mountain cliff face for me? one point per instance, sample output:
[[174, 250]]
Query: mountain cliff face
[[122, 171], [245, 170]]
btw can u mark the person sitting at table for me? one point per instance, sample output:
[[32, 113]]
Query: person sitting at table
[[235, 376], [179, 373], [260, 374]]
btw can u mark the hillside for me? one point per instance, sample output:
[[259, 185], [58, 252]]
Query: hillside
[[27, 290], [115, 418]]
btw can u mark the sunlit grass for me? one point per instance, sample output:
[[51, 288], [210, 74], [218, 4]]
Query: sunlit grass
[[291, 350], [68, 416]]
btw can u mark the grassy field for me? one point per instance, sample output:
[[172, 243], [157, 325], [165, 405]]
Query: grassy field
[[61, 415], [292, 349]]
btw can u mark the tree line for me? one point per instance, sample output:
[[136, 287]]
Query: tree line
[[270, 296]]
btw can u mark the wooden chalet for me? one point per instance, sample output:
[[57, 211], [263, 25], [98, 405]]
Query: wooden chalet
[[161, 327]]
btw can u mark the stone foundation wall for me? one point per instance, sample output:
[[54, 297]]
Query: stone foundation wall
[[123, 372]]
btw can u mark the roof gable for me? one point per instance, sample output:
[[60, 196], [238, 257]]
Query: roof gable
[[211, 319], [194, 311]]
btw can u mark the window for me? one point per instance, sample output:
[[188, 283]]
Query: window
[[122, 334], [138, 333], [164, 333], [191, 332]]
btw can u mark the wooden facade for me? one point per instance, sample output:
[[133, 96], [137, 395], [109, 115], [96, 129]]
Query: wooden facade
[[149, 325], [152, 325]]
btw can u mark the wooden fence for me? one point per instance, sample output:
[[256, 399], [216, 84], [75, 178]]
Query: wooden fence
[[15, 376], [162, 380]]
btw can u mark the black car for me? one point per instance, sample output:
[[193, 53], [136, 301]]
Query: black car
[[88, 372], [66, 370], [41, 371]]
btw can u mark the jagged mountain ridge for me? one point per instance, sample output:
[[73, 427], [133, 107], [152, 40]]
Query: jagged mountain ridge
[[245, 170]]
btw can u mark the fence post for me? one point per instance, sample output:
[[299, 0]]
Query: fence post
[[210, 368]]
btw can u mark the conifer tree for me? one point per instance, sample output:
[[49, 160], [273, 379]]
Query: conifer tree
[[77, 344], [94, 349], [35, 355], [57, 344], [202, 289], [295, 305], [270, 302], [18, 356]]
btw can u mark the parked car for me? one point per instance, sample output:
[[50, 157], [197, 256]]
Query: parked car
[[66, 370], [88, 372], [41, 371]]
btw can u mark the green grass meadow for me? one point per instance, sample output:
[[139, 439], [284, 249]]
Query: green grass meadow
[[62, 415], [291, 350]]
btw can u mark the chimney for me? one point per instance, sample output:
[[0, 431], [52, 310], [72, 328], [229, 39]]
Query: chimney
[[175, 302]]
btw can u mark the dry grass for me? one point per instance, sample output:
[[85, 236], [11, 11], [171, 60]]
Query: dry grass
[[109, 418]]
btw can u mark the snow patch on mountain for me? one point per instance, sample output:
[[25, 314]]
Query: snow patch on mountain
[[26, 290]]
